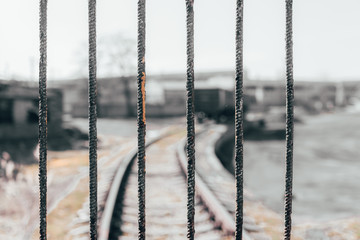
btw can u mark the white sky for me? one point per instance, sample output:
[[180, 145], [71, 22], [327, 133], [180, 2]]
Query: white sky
[[326, 36]]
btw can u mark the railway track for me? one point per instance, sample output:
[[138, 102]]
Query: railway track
[[166, 195]]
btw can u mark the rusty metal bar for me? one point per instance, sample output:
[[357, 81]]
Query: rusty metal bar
[[239, 120], [289, 120], [190, 147], [92, 120], [43, 118], [141, 120]]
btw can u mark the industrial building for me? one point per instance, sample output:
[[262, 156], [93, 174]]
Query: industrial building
[[166, 94], [19, 106]]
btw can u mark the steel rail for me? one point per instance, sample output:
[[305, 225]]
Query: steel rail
[[221, 215], [119, 179]]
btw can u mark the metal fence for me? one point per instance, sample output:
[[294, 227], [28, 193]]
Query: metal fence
[[141, 120]]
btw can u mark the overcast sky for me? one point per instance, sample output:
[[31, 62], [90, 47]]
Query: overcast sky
[[326, 36]]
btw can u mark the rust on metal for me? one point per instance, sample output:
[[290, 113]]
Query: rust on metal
[[141, 121], [143, 79]]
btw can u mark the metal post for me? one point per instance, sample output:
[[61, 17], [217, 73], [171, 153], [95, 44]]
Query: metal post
[[92, 120], [43, 118], [239, 120], [190, 147], [141, 120], [289, 120]]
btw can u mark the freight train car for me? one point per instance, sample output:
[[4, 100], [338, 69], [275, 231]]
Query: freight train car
[[210, 102], [218, 103]]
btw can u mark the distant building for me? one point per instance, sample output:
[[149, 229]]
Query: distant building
[[166, 94], [116, 97], [19, 106], [313, 96]]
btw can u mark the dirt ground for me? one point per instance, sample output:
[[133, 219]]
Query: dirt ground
[[67, 181], [326, 176]]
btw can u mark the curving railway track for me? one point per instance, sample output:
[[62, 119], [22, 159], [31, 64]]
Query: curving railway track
[[166, 191]]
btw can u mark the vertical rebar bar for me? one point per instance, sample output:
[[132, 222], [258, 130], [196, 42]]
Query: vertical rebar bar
[[289, 120], [190, 147], [43, 118], [92, 120], [239, 119], [141, 120]]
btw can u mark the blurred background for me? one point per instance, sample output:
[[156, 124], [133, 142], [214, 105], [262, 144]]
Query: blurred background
[[327, 91]]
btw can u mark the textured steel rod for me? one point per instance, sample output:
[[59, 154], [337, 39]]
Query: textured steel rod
[[141, 120], [239, 120], [43, 118], [190, 147], [289, 120], [92, 120]]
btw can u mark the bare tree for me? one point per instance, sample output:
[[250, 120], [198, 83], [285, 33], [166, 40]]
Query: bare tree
[[116, 56]]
